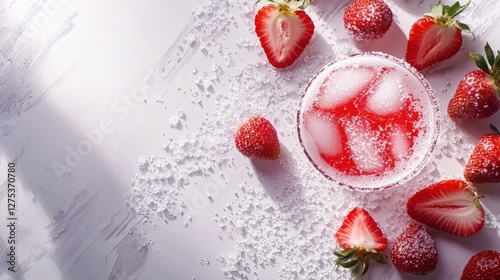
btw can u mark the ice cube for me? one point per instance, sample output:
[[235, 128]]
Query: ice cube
[[388, 95], [399, 144], [366, 144], [324, 132], [342, 85]]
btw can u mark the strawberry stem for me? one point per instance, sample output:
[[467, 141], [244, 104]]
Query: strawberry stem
[[477, 196], [445, 15], [357, 260], [492, 60], [489, 54], [480, 62]]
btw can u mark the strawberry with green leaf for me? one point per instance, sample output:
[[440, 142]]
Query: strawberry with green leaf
[[437, 36], [477, 93], [361, 240]]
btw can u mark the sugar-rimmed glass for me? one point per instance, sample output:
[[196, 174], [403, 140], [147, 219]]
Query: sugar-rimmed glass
[[314, 137]]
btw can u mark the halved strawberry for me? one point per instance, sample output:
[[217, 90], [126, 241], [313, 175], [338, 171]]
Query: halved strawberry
[[483, 165], [436, 36], [484, 265], [415, 251], [450, 205], [361, 240], [477, 93], [367, 20], [256, 137], [284, 30]]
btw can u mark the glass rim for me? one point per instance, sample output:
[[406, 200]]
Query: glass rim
[[433, 140]]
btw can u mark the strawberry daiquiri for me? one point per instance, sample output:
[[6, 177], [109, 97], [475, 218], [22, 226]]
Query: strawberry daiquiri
[[368, 121]]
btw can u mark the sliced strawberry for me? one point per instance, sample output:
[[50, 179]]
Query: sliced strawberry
[[284, 31], [415, 251], [435, 37], [367, 20], [483, 165], [361, 240], [450, 205], [477, 93], [257, 138], [484, 265]]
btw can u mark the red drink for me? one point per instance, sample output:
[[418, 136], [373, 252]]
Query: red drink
[[369, 121]]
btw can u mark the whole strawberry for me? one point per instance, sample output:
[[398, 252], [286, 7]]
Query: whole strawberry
[[483, 165], [451, 206], [367, 20], [437, 36], [484, 265], [361, 240], [415, 252], [257, 138], [477, 93], [284, 30]]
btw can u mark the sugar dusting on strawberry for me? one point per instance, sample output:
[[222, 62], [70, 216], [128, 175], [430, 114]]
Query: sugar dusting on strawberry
[[483, 165], [415, 251], [284, 30], [361, 240], [484, 265], [367, 20], [257, 138], [477, 94], [437, 36], [451, 206]]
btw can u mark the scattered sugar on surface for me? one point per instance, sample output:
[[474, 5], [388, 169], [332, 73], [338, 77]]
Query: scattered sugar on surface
[[280, 216]]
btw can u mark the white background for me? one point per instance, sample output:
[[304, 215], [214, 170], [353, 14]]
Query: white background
[[119, 117]]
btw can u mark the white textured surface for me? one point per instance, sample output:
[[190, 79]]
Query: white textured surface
[[119, 116]]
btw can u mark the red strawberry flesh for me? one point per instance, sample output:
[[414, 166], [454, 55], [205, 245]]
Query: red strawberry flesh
[[437, 36], [359, 230], [430, 43], [451, 206], [283, 32]]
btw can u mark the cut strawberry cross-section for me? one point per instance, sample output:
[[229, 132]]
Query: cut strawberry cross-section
[[284, 30], [450, 205], [437, 36], [361, 240]]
